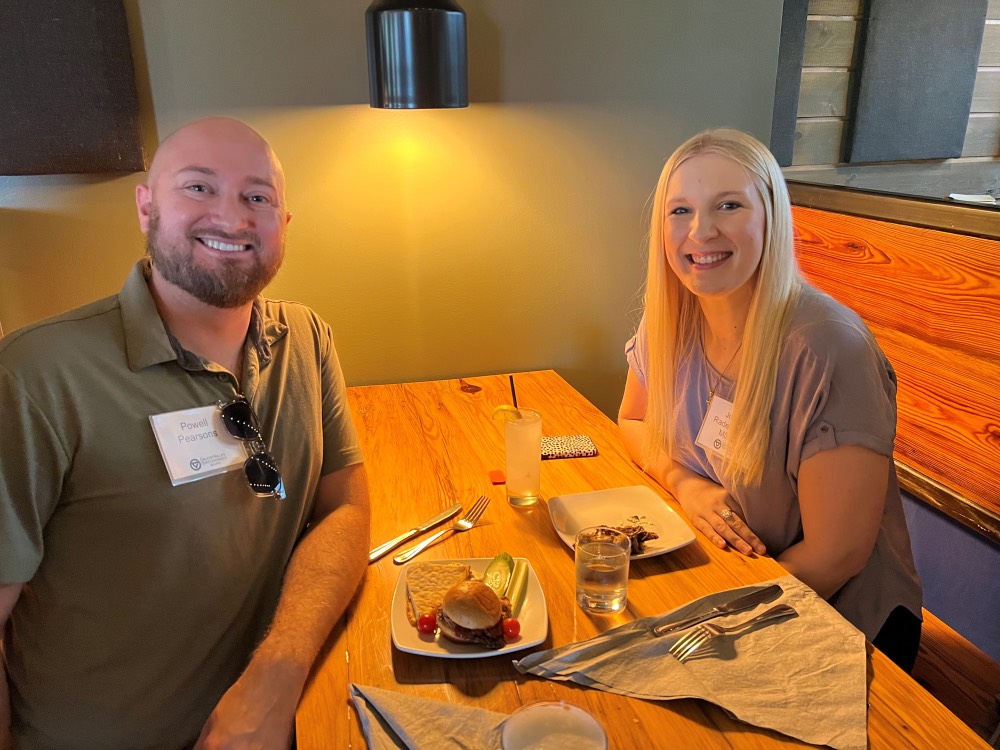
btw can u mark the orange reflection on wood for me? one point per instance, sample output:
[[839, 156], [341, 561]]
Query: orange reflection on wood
[[932, 299]]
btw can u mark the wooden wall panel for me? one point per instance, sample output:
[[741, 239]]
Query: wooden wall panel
[[989, 54], [982, 135], [835, 7], [986, 94], [830, 42], [823, 93], [829, 57], [817, 140], [932, 298]]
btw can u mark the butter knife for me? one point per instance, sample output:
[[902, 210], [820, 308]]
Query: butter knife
[[740, 604], [440, 518]]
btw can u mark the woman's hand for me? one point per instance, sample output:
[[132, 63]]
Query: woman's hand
[[708, 506], [706, 503]]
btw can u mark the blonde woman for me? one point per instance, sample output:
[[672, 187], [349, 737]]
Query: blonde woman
[[764, 406]]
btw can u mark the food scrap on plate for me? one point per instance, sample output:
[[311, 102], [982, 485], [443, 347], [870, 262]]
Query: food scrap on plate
[[637, 536]]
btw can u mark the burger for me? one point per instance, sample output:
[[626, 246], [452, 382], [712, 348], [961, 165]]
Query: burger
[[471, 612]]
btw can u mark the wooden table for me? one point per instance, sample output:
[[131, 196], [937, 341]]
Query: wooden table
[[430, 444]]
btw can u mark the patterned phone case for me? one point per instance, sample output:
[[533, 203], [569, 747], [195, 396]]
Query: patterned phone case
[[568, 446]]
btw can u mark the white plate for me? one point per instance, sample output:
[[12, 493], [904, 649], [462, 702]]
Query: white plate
[[619, 507], [534, 619]]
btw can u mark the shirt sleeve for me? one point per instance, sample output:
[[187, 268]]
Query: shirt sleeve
[[341, 447], [844, 392], [636, 353], [32, 464]]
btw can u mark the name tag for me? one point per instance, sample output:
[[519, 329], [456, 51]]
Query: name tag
[[195, 444], [714, 432]]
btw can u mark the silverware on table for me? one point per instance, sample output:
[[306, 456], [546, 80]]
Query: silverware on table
[[690, 642], [741, 604], [406, 536], [464, 523]]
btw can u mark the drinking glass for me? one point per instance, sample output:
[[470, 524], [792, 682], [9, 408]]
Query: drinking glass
[[523, 448], [602, 556], [552, 725]]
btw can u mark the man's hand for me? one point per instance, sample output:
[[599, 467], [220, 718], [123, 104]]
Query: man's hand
[[257, 712]]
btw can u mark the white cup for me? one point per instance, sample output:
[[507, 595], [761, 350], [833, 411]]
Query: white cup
[[552, 725]]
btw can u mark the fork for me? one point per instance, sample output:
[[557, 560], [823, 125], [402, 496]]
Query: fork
[[464, 523], [700, 635]]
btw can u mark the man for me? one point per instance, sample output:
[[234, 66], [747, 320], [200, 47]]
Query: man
[[154, 597]]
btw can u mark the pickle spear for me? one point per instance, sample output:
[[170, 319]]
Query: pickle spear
[[498, 572], [517, 587]]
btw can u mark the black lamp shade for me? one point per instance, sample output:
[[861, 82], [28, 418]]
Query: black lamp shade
[[417, 56]]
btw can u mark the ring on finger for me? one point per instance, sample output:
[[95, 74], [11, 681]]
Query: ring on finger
[[727, 514]]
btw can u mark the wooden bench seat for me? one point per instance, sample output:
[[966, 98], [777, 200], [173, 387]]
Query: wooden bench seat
[[958, 674]]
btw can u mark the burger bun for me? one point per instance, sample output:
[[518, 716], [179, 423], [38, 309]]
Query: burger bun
[[472, 604]]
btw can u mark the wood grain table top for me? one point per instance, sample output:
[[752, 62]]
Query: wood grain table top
[[428, 445]]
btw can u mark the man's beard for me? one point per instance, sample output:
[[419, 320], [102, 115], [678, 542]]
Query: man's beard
[[231, 285]]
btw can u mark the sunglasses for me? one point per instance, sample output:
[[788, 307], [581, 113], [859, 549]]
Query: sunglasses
[[260, 469]]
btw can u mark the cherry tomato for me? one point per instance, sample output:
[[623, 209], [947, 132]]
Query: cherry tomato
[[427, 623], [511, 628]]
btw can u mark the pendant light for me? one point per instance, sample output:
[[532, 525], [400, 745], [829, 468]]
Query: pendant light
[[416, 54]]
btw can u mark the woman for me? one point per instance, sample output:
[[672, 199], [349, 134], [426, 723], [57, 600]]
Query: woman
[[764, 406]]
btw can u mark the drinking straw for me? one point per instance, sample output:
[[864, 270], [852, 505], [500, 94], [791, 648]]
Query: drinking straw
[[513, 392]]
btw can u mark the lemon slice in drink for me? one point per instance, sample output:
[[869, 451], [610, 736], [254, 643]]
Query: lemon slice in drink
[[507, 412]]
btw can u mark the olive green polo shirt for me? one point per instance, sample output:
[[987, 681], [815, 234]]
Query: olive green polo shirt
[[144, 600]]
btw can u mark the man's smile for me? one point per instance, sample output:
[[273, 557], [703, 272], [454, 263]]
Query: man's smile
[[223, 246]]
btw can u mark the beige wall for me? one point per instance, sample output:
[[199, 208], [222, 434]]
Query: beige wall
[[503, 237]]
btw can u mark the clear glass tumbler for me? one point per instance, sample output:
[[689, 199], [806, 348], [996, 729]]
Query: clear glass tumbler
[[523, 447], [602, 556]]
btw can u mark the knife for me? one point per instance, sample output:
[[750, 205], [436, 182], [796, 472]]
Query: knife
[[379, 551], [740, 604]]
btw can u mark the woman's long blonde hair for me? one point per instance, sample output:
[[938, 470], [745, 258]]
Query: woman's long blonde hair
[[674, 319]]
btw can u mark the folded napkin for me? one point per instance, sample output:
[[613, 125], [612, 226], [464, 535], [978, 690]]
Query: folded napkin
[[804, 677], [393, 721], [975, 198]]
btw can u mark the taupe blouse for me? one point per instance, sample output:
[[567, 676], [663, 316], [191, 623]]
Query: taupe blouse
[[835, 387]]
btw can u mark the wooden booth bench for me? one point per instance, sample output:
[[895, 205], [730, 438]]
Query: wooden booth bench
[[925, 276], [963, 678]]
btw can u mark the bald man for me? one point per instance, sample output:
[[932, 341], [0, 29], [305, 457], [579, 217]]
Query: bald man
[[183, 504]]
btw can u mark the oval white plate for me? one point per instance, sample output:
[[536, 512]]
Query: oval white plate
[[534, 619], [619, 507]]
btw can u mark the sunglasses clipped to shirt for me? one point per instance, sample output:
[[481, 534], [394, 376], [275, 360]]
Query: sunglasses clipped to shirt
[[260, 469]]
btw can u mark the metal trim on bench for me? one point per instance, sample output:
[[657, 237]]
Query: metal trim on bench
[[978, 221], [949, 502]]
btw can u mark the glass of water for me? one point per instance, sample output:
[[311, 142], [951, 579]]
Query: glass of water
[[523, 448], [602, 556]]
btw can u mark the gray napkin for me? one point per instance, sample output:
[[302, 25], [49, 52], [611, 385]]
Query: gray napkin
[[393, 721], [804, 677]]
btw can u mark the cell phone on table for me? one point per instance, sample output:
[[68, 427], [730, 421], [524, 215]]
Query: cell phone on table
[[568, 446]]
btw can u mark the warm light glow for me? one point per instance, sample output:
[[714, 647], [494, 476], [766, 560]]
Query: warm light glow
[[420, 227]]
